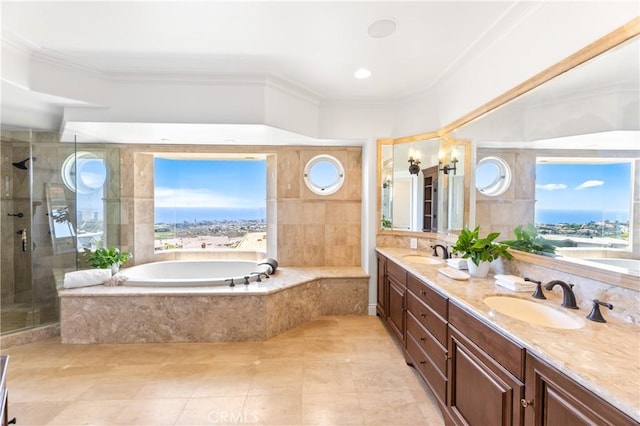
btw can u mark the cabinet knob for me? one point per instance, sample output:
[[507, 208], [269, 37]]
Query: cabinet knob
[[526, 403], [423, 362], [446, 357], [423, 293], [423, 315], [422, 339]]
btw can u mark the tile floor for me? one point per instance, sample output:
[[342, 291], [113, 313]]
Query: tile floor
[[338, 370]]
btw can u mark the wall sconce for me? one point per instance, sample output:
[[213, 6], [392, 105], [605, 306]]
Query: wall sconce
[[414, 165], [447, 168]]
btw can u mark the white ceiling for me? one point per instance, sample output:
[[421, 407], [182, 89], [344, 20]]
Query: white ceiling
[[315, 45]]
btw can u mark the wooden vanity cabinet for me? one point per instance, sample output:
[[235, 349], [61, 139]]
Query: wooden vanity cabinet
[[427, 335], [383, 288], [553, 399], [396, 311], [486, 373], [477, 374]]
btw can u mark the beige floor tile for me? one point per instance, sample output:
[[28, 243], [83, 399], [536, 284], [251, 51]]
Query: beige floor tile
[[273, 409], [221, 385], [35, 413], [89, 413], [274, 375], [332, 371], [333, 408], [327, 376], [217, 411], [391, 408], [151, 412]]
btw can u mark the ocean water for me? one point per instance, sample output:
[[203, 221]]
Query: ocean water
[[179, 215], [579, 216]]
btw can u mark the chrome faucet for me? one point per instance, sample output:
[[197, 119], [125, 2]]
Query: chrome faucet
[[568, 298], [445, 252]]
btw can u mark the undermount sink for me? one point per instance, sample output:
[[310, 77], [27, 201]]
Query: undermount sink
[[533, 312], [425, 260]]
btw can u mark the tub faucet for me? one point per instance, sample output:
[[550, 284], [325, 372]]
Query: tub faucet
[[568, 298], [260, 274], [445, 252]]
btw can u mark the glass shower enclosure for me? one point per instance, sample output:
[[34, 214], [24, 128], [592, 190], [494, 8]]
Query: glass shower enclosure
[[57, 199]]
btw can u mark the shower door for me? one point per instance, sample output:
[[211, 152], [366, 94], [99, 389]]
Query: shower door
[[31, 268], [16, 295]]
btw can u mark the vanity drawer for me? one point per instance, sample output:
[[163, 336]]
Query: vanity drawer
[[503, 350], [428, 295], [397, 272], [434, 378], [429, 344], [427, 317]]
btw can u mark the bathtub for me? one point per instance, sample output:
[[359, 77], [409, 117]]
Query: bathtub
[[193, 273], [633, 265]]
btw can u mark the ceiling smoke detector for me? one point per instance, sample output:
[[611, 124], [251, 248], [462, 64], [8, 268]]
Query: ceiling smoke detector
[[382, 28]]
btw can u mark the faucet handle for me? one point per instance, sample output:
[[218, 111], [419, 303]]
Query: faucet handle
[[538, 294], [595, 314], [232, 284]]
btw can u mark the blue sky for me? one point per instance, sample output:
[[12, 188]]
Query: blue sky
[[583, 186], [210, 183]]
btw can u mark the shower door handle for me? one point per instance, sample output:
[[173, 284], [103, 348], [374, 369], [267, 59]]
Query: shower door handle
[[23, 232]]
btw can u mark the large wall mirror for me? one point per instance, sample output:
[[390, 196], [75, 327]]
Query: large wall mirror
[[572, 147]]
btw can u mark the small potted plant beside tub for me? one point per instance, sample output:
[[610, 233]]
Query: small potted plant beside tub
[[481, 251], [110, 257]]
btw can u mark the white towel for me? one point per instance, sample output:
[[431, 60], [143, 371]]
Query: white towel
[[457, 263], [510, 285], [86, 278], [512, 279]]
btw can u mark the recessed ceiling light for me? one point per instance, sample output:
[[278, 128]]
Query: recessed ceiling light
[[382, 28], [362, 73]]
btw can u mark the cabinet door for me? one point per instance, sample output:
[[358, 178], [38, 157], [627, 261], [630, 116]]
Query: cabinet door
[[381, 303], [552, 399], [397, 306], [481, 391]]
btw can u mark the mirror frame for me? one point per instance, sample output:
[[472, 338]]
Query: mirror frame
[[598, 47]]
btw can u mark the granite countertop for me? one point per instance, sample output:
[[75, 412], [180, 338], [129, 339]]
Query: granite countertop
[[284, 277], [604, 358]]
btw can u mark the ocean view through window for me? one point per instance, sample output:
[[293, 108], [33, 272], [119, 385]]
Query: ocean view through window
[[210, 203], [584, 204]]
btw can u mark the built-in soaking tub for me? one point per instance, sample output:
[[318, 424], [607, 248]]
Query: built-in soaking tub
[[182, 302], [633, 265], [196, 273]]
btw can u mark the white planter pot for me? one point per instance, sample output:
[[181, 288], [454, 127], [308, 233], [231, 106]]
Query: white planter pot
[[480, 271], [115, 267]]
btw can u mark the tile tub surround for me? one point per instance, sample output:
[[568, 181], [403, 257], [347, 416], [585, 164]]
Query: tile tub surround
[[601, 357], [211, 314]]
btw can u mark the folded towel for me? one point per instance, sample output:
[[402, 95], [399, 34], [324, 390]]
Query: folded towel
[[457, 263], [516, 286], [86, 278], [512, 279]]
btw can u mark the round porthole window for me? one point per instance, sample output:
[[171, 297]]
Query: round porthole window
[[83, 172], [493, 176], [323, 174]]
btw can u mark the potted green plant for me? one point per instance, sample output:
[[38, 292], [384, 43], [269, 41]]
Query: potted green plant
[[481, 251], [527, 240], [110, 257]]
